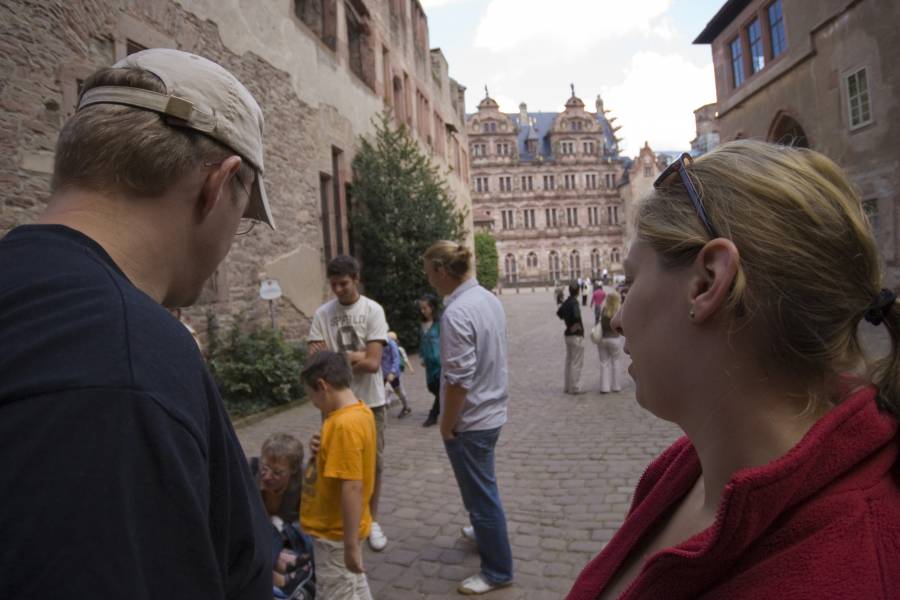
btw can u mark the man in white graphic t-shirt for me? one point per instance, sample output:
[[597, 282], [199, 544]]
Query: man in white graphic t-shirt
[[355, 325]]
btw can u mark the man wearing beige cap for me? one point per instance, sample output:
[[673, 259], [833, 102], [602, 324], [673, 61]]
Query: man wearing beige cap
[[122, 476]]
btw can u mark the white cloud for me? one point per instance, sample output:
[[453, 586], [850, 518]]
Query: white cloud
[[567, 25], [426, 4], [656, 100]]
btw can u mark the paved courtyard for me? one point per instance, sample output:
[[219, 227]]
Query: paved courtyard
[[566, 465]]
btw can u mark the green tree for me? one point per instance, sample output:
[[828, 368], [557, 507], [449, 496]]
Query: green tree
[[487, 261], [401, 206]]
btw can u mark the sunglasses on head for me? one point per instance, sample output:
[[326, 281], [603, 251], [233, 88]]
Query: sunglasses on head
[[680, 166]]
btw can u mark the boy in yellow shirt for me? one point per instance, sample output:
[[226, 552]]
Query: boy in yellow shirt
[[338, 484]]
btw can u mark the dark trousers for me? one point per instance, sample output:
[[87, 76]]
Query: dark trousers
[[435, 388]]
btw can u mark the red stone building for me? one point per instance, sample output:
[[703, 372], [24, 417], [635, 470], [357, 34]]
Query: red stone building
[[823, 75]]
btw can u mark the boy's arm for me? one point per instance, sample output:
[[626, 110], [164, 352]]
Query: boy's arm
[[351, 515]]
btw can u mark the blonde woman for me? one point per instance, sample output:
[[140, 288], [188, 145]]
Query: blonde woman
[[610, 346], [751, 270]]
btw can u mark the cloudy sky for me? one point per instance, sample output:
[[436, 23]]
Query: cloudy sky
[[636, 53]]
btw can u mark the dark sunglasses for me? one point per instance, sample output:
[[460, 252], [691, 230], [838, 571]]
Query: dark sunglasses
[[681, 166]]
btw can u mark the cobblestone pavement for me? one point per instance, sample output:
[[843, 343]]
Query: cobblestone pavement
[[567, 466]]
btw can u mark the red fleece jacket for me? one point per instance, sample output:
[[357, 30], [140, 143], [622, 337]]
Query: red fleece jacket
[[821, 522]]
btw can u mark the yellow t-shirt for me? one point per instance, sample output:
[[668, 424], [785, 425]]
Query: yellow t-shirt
[[346, 452]]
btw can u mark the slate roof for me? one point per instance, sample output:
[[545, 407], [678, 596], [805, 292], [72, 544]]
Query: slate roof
[[539, 126]]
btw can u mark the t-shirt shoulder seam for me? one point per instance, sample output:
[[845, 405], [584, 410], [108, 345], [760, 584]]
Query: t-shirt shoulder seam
[[136, 391], [106, 270]]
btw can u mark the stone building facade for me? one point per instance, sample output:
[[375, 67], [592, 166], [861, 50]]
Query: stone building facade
[[321, 71], [707, 130], [822, 75], [548, 186]]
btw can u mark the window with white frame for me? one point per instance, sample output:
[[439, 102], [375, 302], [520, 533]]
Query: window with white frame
[[589, 148], [870, 207], [505, 183], [528, 218], [531, 260], [551, 217], [595, 262], [593, 215], [509, 265], [569, 181], [549, 182], [553, 265], [575, 263], [572, 216], [858, 99], [590, 181], [508, 218], [481, 184], [527, 183]]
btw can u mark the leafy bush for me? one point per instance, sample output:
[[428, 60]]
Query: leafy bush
[[255, 370], [401, 207], [487, 260]]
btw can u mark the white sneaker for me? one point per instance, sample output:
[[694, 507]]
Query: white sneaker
[[377, 539], [468, 532], [476, 584]]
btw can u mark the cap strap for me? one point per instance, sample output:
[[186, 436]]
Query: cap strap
[[171, 106]]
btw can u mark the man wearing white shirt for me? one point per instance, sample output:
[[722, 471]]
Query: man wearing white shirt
[[355, 325]]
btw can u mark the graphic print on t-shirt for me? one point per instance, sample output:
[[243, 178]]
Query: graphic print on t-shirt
[[347, 337]]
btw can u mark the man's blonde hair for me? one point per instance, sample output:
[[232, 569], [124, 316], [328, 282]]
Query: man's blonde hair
[[809, 266], [119, 149], [455, 258]]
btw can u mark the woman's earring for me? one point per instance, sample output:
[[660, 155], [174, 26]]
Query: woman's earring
[[692, 313]]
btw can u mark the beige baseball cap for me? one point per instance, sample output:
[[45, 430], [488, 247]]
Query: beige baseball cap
[[202, 96]]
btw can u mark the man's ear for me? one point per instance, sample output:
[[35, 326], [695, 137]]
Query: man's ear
[[215, 185], [713, 273]]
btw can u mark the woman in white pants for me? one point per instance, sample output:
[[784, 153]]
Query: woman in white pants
[[609, 346]]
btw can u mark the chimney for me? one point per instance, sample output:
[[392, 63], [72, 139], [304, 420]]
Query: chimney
[[523, 114], [599, 105]]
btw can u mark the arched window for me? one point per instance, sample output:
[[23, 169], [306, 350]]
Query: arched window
[[614, 256], [510, 268], [532, 260], [553, 266], [595, 263], [575, 263], [785, 130]]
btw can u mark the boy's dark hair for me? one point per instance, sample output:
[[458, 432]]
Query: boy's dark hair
[[343, 265], [573, 289], [330, 366]]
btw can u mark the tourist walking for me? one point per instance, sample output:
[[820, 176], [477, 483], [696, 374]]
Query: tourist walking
[[391, 368], [609, 346], [474, 395], [597, 299], [585, 290], [786, 482], [355, 325], [573, 335], [430, 352], [122, 474]]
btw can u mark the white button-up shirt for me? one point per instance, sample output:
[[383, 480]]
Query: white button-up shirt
[[474, 355]]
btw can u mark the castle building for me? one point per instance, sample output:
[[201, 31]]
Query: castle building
[[548, 186], [322, 71]]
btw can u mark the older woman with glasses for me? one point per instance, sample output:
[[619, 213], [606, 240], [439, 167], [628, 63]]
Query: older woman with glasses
[[751, 271]]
